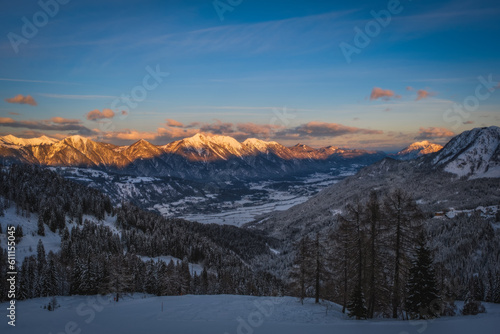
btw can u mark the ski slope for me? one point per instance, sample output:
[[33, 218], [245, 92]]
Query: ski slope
[[220, 314]]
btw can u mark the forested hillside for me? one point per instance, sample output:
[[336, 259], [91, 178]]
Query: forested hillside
[[95, 258]]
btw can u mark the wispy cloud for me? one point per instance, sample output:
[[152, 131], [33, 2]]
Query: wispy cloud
[[39, 81], [434, 133], [423, 94], [77, 97], [21, 99]]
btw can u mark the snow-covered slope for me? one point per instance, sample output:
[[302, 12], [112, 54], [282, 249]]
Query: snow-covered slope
[[474, 153], [15, 141], [218, 314], [418, 149]]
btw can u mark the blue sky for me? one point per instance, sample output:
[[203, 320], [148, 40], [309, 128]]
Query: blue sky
[[274, 70]]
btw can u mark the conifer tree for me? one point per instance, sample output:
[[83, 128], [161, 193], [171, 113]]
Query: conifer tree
[[356, 305], [41, 227], [302, 269], [403, 218], [423, 300]]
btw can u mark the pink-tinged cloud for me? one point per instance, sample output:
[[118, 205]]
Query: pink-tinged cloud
[[174, 123], [323, 129], [384, 94], [468, 122], [409, 88], [96, 115], [218, 128], [14, 113], [124, 113], [20, 99], [423, 94], [128, 134], [47, 125], [253, 129], [6, 120], [434, 133], [61, 120], [176, 133]]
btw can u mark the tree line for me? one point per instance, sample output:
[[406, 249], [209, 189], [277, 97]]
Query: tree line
[[377, 262]]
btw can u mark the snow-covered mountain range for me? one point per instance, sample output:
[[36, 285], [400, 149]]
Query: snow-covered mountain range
[[474, 153], [199, 157]]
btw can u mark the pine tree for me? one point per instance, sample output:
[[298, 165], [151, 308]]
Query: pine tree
[[356, 304], [373, 220], [319, 267], [423, 300], [41, 227], [353, 218], [302, 271], [403, 218]]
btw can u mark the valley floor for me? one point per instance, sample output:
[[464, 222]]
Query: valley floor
[[221, 314]]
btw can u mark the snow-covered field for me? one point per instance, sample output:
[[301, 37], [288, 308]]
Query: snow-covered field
[[221, 314], [241, 212]]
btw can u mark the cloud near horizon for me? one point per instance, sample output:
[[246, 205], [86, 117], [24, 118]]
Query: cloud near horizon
[[175, 130], [53, 124], [434, 133], [62, 120], [423, 94], [174, 123], [20, 99], [323, 129], [96, 115]]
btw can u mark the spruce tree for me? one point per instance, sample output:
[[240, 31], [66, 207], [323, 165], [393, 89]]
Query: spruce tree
[[423, 295], [356, 304], [41, 227], [302, 270], [403, 218]]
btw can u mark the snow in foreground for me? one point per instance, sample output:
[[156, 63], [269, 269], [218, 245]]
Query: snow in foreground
[[220, 314]]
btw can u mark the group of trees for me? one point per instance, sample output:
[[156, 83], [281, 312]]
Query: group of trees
[[378, 262], [380, 259], [95, 258]]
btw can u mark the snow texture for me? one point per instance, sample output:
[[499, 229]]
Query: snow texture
[[221, 314]]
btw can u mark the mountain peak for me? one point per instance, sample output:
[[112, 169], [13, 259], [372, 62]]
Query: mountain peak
[[142, 142], [418, 149], [76, 138], [474, 153]]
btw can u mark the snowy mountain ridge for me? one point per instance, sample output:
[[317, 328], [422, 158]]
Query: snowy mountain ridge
[[473, 154], [187, 158], [18, 142]]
